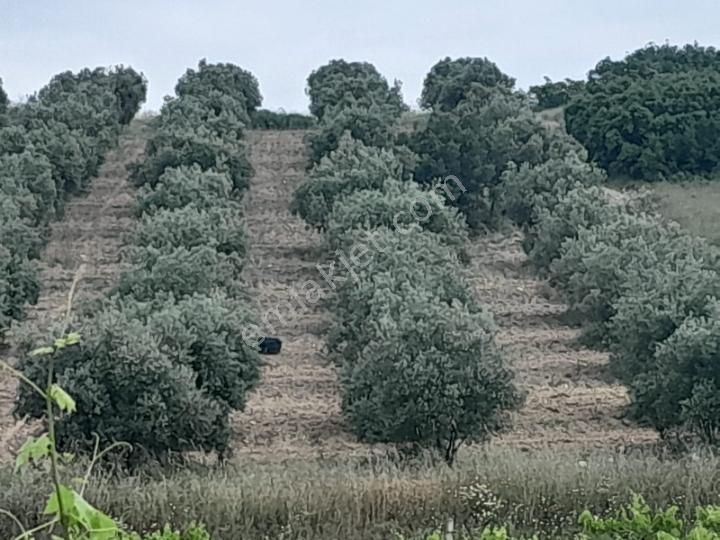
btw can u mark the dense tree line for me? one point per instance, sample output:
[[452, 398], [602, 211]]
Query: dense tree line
[[480, 130], [166, 358], [50, 147], [416, 355], [552, 94], [265, 119], [652, 115]]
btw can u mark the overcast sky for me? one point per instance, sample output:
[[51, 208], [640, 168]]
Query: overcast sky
[[282, 41]]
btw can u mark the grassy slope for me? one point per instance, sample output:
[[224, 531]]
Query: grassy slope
[[695, 205]]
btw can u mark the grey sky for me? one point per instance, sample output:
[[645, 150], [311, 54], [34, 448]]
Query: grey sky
[[282, 41]]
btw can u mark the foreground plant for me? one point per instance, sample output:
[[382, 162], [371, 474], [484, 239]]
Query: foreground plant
[[69, 515], [66, 507]]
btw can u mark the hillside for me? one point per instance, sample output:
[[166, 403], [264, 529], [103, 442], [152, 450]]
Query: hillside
[[295, 409]]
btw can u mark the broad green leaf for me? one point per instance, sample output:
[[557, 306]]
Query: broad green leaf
[[82, 515], [32, 450], [73, 338], [60, 343], [62, 398], [67, 496], [42, 351]]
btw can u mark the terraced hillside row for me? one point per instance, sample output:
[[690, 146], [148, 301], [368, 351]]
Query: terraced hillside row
[[87, 240], [295, 409]]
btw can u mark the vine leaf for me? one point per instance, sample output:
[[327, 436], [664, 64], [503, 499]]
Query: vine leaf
[[62, 399], [81, 514]]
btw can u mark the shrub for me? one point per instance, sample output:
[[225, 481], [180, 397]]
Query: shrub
[[220, 80], [594, 267], [206, 334], [653, 305], [418, 361], [58, 144], [352, 167], [17, 233], [265, 119], [127, 389], [180, 186], [683, 386], [189, 111], [373, 126], [218, 227], [176, 146], [526, 190], [581, 208], [550, 95], [430, 376], [130, 89], [340, 84], [180, 272], [450, 81], [4, 101], [397, 205], [476, 141], [653, 114], [27, 179], [18, 285], [416, 258]]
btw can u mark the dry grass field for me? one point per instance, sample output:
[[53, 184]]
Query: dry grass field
[[294, 412]]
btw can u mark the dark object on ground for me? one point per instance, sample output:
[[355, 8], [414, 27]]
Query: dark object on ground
[[270, 345]]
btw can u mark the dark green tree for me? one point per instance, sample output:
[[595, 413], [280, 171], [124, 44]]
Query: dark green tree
[[451, 81]]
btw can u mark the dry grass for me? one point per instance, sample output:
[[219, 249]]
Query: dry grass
[[694, 205], [376, 499]]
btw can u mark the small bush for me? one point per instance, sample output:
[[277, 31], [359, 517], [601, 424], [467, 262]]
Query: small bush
[[130, 89], [177, 146], [19, 285], [476, 141], [594, 267], [581, 208], [418, 361], [373, 126], [450, 81], [207, 334], [682, 386], [397, 206], [229, 120], [26, 177], [340, 84], [127, 388], [221, 80], [654, 304], [526, 190], [220, 227], [352, 167], [181, 186], [265, 119], [179, 272]]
